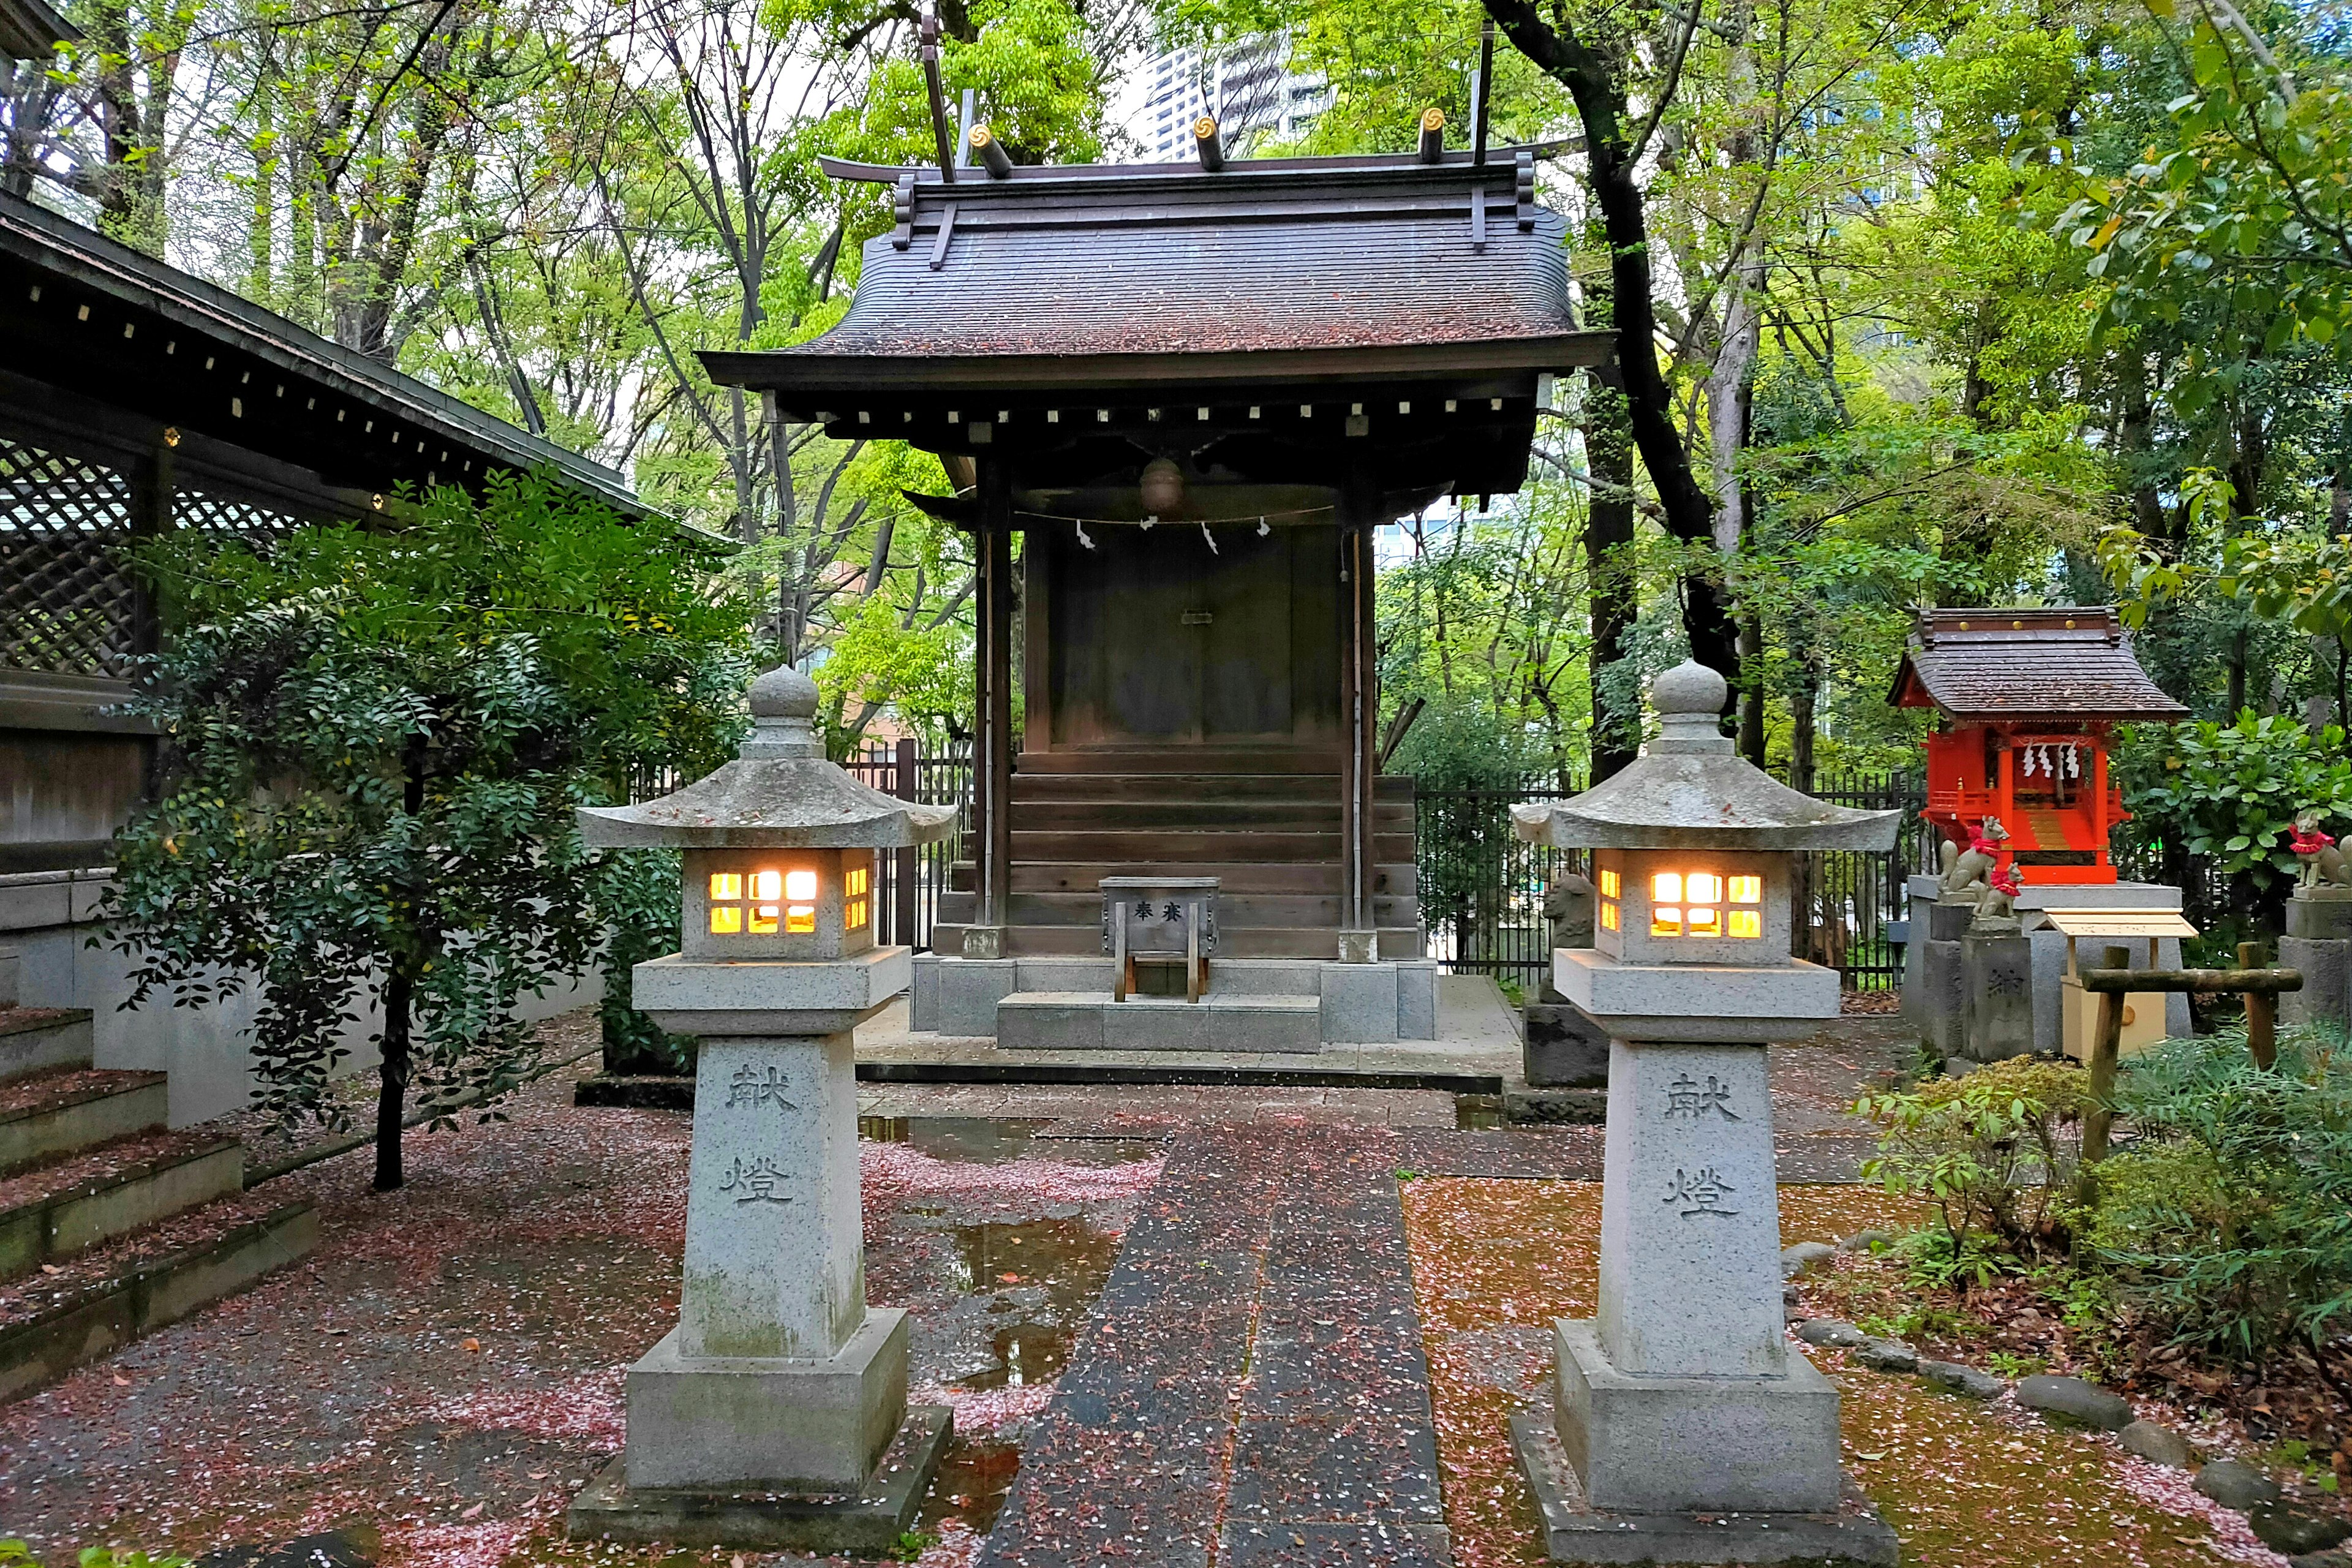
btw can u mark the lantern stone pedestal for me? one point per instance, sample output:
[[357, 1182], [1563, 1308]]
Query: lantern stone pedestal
[[775, 1414], [1686, 1428], [2318, 942]]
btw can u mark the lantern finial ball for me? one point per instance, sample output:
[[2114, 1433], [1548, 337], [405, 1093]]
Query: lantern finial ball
[[1689, 688], [784, 693]]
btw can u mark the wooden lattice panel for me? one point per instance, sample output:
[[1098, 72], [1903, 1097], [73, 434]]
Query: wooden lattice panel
[[66, 603], [66, 599]]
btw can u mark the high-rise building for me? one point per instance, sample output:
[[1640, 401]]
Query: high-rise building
[[1250, 87]]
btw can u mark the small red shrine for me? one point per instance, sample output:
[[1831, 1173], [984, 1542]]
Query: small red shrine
[[2028, 699]]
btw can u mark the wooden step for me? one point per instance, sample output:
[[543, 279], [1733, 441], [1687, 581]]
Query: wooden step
[[48, 1115], [106, 1296], [1189, 786], [37, 1040], [1172, 847], [55, 1211], [1189, 815], [1232, 877], [1235, 941], [1233, 910], [1181, 758]]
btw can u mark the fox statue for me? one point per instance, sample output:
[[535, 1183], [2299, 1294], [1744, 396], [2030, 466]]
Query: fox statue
[[2322, 861], [1967, 873]]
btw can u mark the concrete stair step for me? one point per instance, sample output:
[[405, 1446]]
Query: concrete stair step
[[1091, 1021], [37, 1040], [48, 1115], [1234, 910], [128, 1286], [57, 1210]]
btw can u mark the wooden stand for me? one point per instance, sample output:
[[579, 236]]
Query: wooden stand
[[2261, 988]]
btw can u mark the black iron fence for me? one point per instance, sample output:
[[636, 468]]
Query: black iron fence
[[1482, 889], [908, 883]]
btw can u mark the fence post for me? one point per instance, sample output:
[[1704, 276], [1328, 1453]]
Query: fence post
[[903, 920]]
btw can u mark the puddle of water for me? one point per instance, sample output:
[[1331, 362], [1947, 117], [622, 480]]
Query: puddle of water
[[1050, 1271], [1473, 1112], [975, 1479], [963, 1140]]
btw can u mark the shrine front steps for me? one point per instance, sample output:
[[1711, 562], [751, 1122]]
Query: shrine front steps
[[1300, 942], [36, 1039], [1094, 1021]]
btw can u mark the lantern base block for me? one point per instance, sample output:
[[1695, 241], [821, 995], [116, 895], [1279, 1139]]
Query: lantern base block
[[1651, 1444], [762, 1424], [868, 1521], [1575, 1532]]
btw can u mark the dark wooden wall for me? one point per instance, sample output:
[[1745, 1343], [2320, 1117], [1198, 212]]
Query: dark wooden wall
[[1152, 639]]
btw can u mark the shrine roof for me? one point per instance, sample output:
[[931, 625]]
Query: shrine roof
[[1290, 269], [2069, 665]]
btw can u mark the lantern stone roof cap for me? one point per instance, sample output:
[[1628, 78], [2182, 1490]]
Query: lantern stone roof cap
[[1690, 789], [780, 793]]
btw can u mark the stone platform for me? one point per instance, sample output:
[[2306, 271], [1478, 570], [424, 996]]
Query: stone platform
[[1093, 1021], [1368, 1004], [870, 1524], [1475, 1049], [1575, 1532]]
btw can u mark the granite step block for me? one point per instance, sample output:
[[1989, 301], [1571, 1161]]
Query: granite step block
[[56, 1211], [48, 1115], [41, 1039], [1091, 1021]]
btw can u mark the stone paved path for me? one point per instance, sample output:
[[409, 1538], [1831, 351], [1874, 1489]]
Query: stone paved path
[[1251, 1389]]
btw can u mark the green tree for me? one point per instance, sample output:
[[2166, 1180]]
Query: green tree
[[374, 742]]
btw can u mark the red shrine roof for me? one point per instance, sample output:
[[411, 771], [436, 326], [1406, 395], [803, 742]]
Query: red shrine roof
[[2070, 665]]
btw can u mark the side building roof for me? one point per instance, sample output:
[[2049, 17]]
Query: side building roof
[[2069, 665], [102, 321]]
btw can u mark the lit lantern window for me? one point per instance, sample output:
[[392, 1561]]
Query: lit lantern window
[[1666, 887], [1703, 888], [726, 887], [768, 885], [1747, 923], [856, 909], [800, 887], [1701, 920], [763, 920], [1609, 921], [1665, 921], [1611, 886], [1746, 891], [726, 920]]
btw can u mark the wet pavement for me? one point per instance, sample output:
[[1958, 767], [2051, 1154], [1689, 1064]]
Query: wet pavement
[[1175, 1325]]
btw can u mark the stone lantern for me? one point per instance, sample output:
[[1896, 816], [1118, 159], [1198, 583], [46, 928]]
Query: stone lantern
[[1682, 1397], [764, 1419]]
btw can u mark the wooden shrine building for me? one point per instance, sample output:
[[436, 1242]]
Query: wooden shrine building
[[1190, 393], [2029, 699]]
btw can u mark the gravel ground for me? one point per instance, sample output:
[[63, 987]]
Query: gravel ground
[[445, 1369]]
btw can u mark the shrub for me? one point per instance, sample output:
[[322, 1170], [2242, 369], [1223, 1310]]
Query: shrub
[[2229, 1221], [1993, 1153]]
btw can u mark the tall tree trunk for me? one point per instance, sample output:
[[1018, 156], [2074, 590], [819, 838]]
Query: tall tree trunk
[[399, 993], [1751, 698], [1611, 596], [391, 1093], [1612, 160]]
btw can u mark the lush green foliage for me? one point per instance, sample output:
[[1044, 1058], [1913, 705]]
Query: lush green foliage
[[2232, 792], [2229, 1218], [374, 740], [1994, 1153]]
